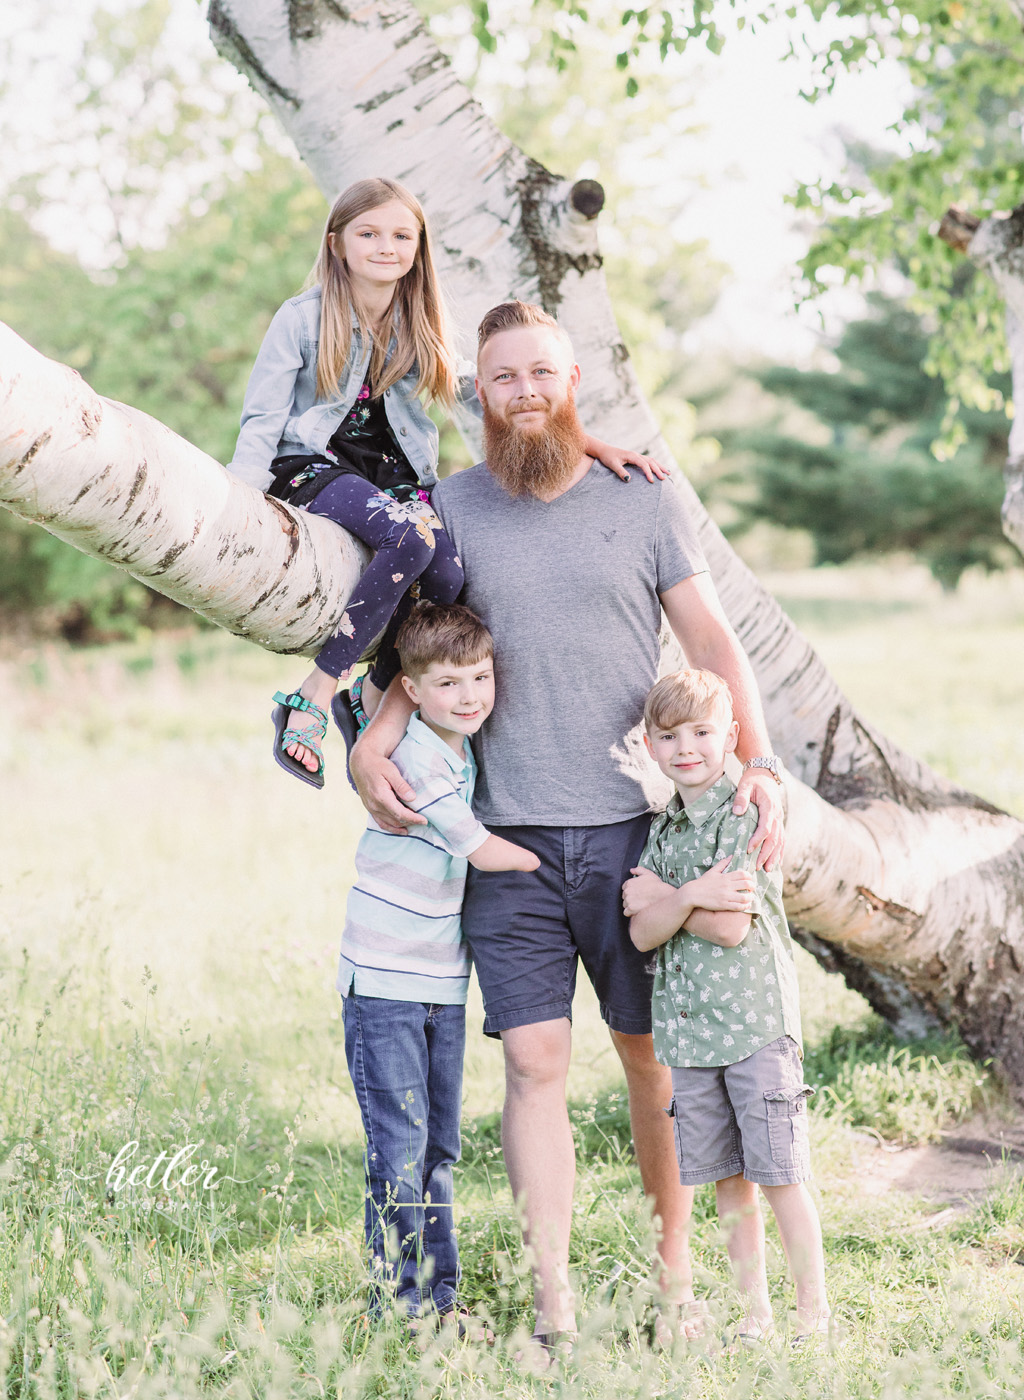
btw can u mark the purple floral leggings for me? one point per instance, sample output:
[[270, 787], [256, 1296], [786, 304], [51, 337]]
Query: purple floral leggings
[[413, 559]]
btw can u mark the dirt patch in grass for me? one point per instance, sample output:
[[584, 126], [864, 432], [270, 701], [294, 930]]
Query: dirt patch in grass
[[968, 1163]]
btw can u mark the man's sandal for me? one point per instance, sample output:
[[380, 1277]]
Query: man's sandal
[[310, 736]]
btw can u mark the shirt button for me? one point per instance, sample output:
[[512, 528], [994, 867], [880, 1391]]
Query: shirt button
[[387, 393], [403, 431], [678, 967], [682, 1015]]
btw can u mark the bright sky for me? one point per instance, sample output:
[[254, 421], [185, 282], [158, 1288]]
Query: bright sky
[[761, 139], [757, 138]]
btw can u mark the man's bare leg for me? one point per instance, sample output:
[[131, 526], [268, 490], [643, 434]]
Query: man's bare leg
[[650, 1093], [541, 1160]]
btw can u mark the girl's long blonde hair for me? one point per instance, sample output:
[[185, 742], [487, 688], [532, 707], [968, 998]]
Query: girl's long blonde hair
[[418, 319]]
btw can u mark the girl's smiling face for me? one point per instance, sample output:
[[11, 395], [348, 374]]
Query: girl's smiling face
[[378, 247]]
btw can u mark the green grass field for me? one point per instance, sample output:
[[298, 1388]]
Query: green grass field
[[171, 905]]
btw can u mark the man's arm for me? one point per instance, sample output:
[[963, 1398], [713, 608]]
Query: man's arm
[[382, 789], [696, 617]]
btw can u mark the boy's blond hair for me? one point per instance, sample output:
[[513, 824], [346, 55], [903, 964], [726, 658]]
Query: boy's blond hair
[[444, 632], [684, 697]]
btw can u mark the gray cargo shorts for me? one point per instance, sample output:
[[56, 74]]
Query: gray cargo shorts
[[746, 1119]]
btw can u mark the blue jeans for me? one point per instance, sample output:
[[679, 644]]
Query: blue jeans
[[405, 1059]]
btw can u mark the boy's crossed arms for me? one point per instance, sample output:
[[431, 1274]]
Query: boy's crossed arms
[[716, 906]]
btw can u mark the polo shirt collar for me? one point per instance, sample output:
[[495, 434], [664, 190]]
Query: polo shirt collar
[[423, 734], [702, 808]]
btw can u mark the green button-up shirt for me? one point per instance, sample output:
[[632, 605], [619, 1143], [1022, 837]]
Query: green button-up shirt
[[712, 1005]]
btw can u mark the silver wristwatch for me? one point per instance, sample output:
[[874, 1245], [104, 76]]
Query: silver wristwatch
[[770, 764]]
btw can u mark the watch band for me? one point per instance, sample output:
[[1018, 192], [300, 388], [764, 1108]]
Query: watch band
[[768, 762]]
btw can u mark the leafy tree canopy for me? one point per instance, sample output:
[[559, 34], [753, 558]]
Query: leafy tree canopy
[[959, 138]]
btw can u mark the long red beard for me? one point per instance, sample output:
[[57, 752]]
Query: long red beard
[[539, 462]]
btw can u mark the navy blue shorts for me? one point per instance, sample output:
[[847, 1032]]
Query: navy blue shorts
[[527, 931]]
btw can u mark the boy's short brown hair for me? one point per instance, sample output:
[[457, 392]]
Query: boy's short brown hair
[[685, 696], [445, 632], [511, 315]]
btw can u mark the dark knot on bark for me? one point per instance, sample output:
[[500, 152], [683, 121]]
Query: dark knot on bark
[[587, 198], [958, 227]]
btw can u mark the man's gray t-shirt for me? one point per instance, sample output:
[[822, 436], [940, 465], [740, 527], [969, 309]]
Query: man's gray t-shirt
[[569, 588]]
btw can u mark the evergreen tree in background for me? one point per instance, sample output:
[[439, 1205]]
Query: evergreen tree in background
[[867, 481]]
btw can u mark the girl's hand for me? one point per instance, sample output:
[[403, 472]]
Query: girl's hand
[[724, 891], [643, 889], [619, 459]]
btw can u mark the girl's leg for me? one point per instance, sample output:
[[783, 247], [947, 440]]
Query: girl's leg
[[403, 548], [740, 1215], [440, 582], [800, 1230]]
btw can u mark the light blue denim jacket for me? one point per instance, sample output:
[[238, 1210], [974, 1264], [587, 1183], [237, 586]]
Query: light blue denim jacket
[[281, 414]]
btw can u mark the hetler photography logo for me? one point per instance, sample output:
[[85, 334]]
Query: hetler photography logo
[[172, 1171]]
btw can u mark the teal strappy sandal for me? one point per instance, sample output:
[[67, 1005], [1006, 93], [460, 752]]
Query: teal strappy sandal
[[350, 717], [310, 736]]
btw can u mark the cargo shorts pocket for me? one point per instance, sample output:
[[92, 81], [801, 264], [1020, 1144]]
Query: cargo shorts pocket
[[676, 1134], [788, 1139]]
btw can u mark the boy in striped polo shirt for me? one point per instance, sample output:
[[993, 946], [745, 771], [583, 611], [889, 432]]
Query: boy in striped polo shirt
[[404, 969]]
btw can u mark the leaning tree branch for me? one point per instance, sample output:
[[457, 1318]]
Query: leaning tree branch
[[117, 484]]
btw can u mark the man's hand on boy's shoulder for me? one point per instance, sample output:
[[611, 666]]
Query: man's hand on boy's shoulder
[[383, 791], [758, 786], [642, 889]]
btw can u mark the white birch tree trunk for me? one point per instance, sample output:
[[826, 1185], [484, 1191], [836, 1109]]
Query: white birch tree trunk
[[117, 484], [997, 245], [912, 888]]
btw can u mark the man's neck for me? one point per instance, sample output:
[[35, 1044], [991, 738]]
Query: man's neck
[[581, 469]]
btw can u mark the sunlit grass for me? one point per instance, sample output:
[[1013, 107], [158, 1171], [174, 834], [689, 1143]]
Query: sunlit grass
[[170, 905]]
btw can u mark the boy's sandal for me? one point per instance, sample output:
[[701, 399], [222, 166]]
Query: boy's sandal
[[749, 1338], [824, 1330], [467, 1326], [559, 1346], [458, 1321], [310, 736]]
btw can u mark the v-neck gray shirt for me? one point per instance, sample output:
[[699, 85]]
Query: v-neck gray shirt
[[569, 589]]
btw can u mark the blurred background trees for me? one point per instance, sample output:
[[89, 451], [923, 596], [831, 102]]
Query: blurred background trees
[[856, 470]]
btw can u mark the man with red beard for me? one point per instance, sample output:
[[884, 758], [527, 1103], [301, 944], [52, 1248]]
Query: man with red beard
[[570, 570]]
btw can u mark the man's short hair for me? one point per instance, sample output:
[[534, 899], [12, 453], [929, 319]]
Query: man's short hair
[[684, 697], [512, 314], [443, 632]]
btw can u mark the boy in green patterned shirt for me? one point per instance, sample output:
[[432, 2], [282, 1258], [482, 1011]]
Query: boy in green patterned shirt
[[725, 1003]]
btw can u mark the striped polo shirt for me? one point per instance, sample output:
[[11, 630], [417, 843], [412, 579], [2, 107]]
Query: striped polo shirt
[[403, 931]]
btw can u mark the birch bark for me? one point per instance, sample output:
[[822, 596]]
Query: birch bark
[[911, 887], [117, 484], [997, 245]]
